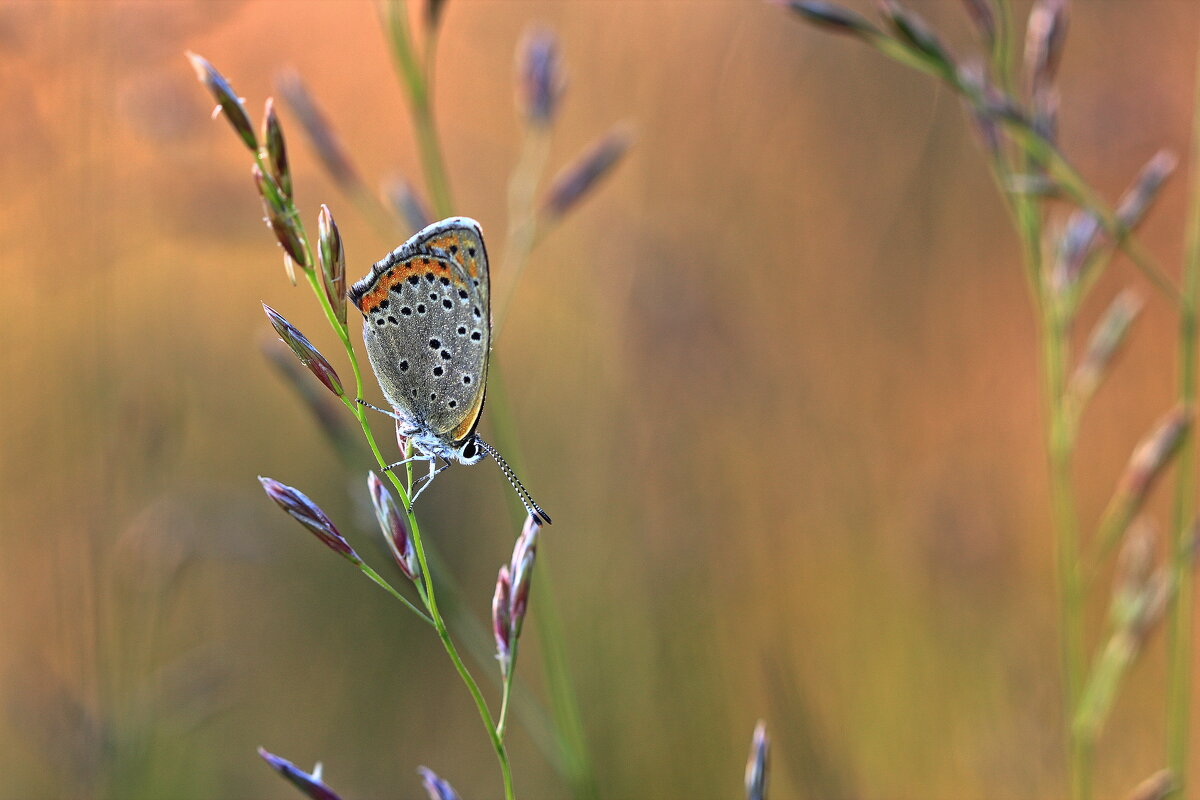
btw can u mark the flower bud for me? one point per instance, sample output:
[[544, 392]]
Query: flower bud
[[576, 180], [407, 203], [321, 136], [984, 17], [916, 33], [279, 217], [1148, 461], [437, 788], [502, 619], [394, 527], [1158, 786], [308, 514], [310, 785], [832, 17], [1106, 339], [521, 571], [1044, 35], [756, 766], [540, 79], [227, 100], [332, 258], [309, 356], [276, 152], [1137, 199]]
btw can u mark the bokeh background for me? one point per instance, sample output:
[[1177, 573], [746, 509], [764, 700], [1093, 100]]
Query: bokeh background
[[775, 380]]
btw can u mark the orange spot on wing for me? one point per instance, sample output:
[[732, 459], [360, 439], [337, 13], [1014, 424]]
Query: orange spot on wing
[[461, 255], [417, 265]]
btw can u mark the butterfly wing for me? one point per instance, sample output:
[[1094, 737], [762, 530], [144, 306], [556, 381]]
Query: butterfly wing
[[427, 328], [461, 240]]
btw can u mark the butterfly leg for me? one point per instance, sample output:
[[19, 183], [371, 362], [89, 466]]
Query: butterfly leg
[[428, 479], [385, 412], [418, 457]]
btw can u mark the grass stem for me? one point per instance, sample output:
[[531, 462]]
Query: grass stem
[[1179, 611]]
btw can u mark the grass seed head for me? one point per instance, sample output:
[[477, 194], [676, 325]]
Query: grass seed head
[[275, 150], [316, 127], [574, 182], [540, 78], [1158, 786], [309, 784], [406, 201], [1045, 33], [1136, 201], [833, 17], [984, 17], [757, 764], [279, 218], [309, 356], [227, 100], [308, 514], [332, 258], [394, 527], [435, 787], [910, 29]]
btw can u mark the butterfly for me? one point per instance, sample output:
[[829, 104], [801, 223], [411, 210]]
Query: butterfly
[[427, 325]]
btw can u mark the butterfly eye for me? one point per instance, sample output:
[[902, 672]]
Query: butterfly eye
[[469, 449]]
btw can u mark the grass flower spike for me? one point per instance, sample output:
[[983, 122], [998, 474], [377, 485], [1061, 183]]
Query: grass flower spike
[[756, 765], [308, 783], [435, 787], [308, 514], [540, 80], [227, 100], [395, 531], [275, 150], [309, 356]]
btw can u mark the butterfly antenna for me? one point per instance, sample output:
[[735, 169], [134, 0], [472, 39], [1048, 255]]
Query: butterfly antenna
[[527, 500]]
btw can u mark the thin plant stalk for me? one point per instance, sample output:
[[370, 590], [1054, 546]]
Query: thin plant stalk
[[428, 593], [1179, 612], [564, 704], [506, 690], [1054, 333], [1030, 150], [417, 83], [522, 219], [522, 237]]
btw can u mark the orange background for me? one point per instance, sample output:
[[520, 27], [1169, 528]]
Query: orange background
[[775, 380]]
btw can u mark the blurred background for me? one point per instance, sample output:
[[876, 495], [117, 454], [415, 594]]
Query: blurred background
[[775, 379]]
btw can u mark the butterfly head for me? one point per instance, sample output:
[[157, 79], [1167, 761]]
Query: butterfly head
[[470, 452]]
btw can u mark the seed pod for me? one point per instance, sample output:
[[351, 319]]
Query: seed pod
[[227, 100], [308, 355], [275, 150], [309, 784]]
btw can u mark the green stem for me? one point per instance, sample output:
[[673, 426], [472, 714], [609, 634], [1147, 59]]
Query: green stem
[[1001, 56], [428, 594], [1070, 585], [522, 221], [1179, 611], [452, 651], [1055, 335], [417, 84], [387, 587], [564, 703], [507, 689]]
